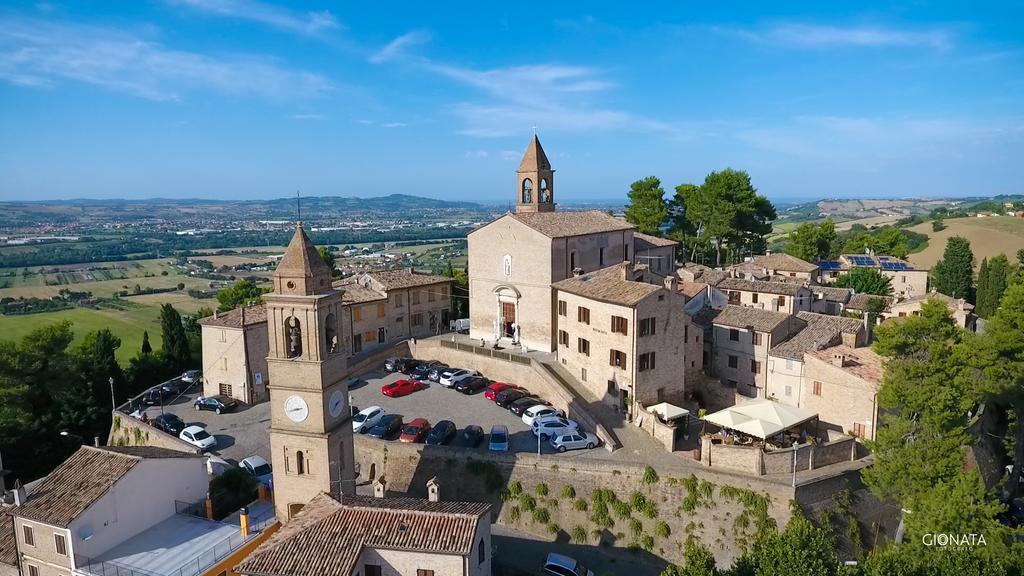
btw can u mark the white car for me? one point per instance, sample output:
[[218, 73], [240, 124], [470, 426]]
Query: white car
[[198, 437], [259, 468], [366, 419], [574, 441], [191, 376], [449, 378], [538, 412], [559, 565], [553, 426]]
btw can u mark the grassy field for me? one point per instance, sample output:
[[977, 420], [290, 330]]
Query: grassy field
[[128, 325], [988, 237]]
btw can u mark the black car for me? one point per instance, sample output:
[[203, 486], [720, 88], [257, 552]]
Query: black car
[[521, 405], [441, 433], [434, 374], [403, 365], [218, 403], [510, 395], [168, 423], [470, 437], [422, 370], [472, 385], [155, 396], [176, 386], [388, 428]]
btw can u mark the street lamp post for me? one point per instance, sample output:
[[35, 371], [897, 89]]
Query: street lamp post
[[796, 449], [113, 402]]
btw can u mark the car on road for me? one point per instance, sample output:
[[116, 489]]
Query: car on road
[[470, 437], [553, 426], [155, 396], [575, 440], [191, 376], [415, 431], [219, 403], [398, 364], [260, 470], [435, 373], [538, 411], [499, 439], [366, 419], [198, 437], [559, 565], [387, 428], [401, 388], [169, 423], [472, 385], [496, 387], [452, 376], [422, 370], [520, 406], [507, 397], [441, 433]]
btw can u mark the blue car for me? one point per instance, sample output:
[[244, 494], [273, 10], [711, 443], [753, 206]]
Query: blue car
[[499, 439]]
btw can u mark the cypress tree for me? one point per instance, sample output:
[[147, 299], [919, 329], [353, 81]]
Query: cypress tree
[[954, 274], [983, 291], [147, 348]]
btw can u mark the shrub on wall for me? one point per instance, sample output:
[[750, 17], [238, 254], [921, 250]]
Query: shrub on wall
[[568, 491]]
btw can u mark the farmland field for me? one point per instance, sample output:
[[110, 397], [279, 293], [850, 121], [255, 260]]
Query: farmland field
[[989, 237], [127, 325]]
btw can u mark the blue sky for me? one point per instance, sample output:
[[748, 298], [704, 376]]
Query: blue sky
[[249, 99]]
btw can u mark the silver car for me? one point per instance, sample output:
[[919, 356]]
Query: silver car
[[575, 440]]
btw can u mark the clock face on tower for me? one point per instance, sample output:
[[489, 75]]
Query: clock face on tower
[[337, 401], [296, 408]]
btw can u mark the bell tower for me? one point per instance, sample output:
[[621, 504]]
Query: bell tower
[[310, 429], [536, 192]]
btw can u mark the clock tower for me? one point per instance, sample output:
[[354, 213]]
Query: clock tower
[[310, 420]]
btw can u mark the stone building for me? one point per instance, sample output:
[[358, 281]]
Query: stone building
[[622, 332], [786, 360], [907, 281], [962, 310], [841, 384], [235, 354], [788, 297], [742, 338], [829, 299], [658, 254], [779, 264]]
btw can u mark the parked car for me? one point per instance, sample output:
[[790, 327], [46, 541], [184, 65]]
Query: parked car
[[414, 432], [441, 433], [198, 437], [451, 377], [398, 364], [366, 419], [155, 396], [176, 386], [435, 373], [507, 397], [422, 370], [495, 388], [472, 385], [401, 388], [538, 411], [353, 382], [552, 426], [520, 406], [499, 439], [574, 440], [218, 403], [259, 468], [169, 423], [559, 565], [470, 436], [192, 376], [387, 428]]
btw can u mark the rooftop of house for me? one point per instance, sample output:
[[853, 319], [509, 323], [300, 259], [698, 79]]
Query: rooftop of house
[[643, 241], [884, 263], [328, 536], [860, 301], [746, 317], [561, 224], [301, 257], [8, 543], [704, 273], [819, 331], [83, 479], [832, 294], [355, 293], [405, 278], [692, 289], [952, 303], [864, 363], [241, 316], [611, 284], [741, 284], [784, 262]]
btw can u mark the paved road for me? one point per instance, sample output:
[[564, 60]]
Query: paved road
[[523, 553]]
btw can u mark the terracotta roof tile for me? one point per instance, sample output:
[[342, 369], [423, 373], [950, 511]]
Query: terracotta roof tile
[[8, 544], [355, 293], [860, 301], [567, 223], [643, 241], [608, 285], [256, 314], [691, 289], [301, 258], [863, 363], [833, 294], [405, 278], [783, 288], [819, 331], [781, 261], [742, 317]]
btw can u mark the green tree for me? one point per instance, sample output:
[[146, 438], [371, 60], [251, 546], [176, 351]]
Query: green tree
[[232, 490], [699, 561], [864, 280], [993, 278], [243, 293], [460, 291], [176, 350], [938, 225], [95, 362], [1020, 257], [813, 242], [647, 209], [328, 258], [147, 348], [800, 550], [954, 274]]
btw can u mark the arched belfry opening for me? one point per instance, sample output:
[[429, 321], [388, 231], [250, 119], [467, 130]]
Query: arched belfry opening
[[331, 333], [293, 336], [527, 191], [536, 181]]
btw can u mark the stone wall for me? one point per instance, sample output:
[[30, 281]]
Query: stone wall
[[753, 460], [128, 431], [781, 461]]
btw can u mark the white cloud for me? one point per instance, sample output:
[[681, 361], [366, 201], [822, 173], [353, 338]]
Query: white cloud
[[476, 154], [395, 125], [509, 155], [397, 47], [42, 53], [308, 116], [824, 36], [275, 16]]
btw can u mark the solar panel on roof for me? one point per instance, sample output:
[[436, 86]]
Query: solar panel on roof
[[828, 265]]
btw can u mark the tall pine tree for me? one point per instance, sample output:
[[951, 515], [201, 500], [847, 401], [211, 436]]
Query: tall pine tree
[[147, 348], [175, 346], [954, 274], [647, 209]]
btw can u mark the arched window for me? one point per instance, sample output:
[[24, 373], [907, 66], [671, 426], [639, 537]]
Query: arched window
[[480, 552], [545, 194], [293, 336], [300, 463], [527, 191], [331, 333]]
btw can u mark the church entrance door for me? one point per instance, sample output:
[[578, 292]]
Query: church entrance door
[[508, 317]]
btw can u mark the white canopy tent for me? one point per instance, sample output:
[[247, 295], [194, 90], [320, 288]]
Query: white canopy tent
[[668, 412], [762, 418]]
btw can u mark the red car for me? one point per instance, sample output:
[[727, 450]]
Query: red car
[[401, 388], [491, 391], [415, 431]]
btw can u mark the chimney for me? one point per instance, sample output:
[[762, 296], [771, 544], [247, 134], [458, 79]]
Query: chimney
[[577, 272], [838, 359], [20, 495], [378, 487], [214, 313], [626, 270], [433, 490], [671, 283]]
